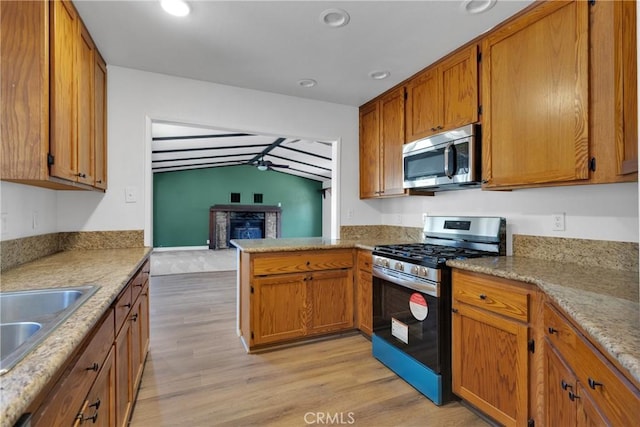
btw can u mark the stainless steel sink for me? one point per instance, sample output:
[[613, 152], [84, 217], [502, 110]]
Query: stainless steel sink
[[27, 317]]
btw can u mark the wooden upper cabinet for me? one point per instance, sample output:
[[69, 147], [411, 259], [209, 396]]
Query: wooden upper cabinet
[[63, 142], [381, 139], [392, 138], [86, 107], [100, 122], [535, 97], [369, 151], [49, 77], [444, 96], [613, 123]]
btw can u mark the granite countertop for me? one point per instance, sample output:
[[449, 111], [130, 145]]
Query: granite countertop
[[305, 243], [604, 302], [111, 269]]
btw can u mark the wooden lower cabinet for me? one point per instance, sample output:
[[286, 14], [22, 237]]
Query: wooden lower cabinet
[[490, 351], [100, 408], [364, 292], [285, 296], [586, 386], [99, 384]]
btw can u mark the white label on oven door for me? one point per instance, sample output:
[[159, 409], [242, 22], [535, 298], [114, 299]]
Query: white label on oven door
[[418, 306], [400, 330]]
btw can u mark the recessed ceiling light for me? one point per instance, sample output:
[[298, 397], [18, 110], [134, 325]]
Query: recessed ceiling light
[[335, 18], [175, 7], [474, 7], [307, 83], [379, 75]]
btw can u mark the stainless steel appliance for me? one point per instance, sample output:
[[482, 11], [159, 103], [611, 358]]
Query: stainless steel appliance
[[412, 298], [445, 161]]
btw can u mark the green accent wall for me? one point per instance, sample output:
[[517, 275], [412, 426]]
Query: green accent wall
[[181, 201]]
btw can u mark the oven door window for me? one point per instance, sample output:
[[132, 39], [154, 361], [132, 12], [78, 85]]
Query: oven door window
[[408, 320]]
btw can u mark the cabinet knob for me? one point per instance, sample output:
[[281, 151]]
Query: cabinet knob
[[135, 317], [593, 383], [92, 418], [552, 331], [81, 175], [308, 263], [434, 129], [93, 367], [565, 385], [573, 396], [128, 305], [99, 181], [439, 127], [483, 296]]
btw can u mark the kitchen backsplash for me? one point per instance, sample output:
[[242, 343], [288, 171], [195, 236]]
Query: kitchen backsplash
[[19, 251], [600, 253], [381, 232]]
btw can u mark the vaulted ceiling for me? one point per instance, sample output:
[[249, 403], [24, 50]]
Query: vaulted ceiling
[[180, 147]]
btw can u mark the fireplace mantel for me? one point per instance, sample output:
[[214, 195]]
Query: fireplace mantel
[[219, 227]]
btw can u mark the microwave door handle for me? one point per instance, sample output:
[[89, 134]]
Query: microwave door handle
[[448, 151]]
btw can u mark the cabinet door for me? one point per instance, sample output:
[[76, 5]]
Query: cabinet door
[[370, 151], [459, 75], [424, 105], [123, 363], [490, 364], [364, 302], [100, 122], [85, 104], [101, 409], [63, 141], [559, 381], [330, 296], [587, 412], [279, 308], [392, 139], [136, 346], [535, 98], [626, 47]]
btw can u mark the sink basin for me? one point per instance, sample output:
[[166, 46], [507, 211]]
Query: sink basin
[[13, 335], [27, 317]]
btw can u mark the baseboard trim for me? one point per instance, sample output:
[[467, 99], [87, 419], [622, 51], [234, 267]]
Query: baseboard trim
[[181, 248]]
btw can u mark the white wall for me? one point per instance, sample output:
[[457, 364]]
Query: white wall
[[136, 97], [607, 212]]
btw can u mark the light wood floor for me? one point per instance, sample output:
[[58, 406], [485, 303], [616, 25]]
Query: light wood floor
[[198, 373]]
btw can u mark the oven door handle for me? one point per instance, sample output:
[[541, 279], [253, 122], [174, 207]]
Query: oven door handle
[[426, 288], [449, 161]]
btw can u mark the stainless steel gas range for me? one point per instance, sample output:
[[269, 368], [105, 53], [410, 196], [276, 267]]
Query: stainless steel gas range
[[412, 298]]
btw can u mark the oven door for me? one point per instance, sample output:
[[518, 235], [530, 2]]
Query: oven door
[[409, 320]]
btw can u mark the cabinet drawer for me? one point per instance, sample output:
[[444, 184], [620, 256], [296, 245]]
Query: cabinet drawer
[[492, 294], [304, 261], [68, 395], [618, 399], [365, 260], [123, 306]]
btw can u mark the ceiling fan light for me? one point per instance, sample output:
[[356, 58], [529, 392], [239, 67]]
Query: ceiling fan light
[[262, 168], [175, 7], [474, 7], [307, 83]]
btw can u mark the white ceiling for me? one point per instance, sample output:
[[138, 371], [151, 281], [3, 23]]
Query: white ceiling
[[270, 46]]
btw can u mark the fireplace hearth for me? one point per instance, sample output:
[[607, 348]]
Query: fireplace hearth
[[228, 222]]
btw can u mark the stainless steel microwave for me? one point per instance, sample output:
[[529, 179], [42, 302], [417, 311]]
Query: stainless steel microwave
[[446, 161]]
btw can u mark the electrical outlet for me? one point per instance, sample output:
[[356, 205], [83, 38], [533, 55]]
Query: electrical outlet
[[350, 213], [398, 219], [558, 221], [34, 220], [130, 195]]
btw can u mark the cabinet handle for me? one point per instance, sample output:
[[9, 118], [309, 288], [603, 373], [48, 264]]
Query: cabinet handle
[[95, 404], [434, 129], [593, 384], [93, 367], [81, 175], [483, 296], [93, 418], [552, 331], [99, 181], [454, 310], [565, 385], [308, 263], [128, 305], [573, 396], [439, 127], [135, 317], [138, 285]]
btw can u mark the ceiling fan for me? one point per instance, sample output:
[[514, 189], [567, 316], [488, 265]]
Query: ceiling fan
[[264, 165]]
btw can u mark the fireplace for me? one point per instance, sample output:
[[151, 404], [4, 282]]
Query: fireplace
[[228, 222]]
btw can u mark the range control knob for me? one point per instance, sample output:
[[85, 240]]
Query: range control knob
[[399, 266], [422, 272], [415, 270]]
